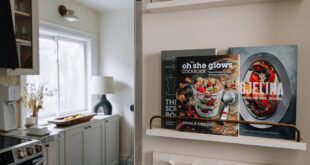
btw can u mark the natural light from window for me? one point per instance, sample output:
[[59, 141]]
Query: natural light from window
[[63, 68]]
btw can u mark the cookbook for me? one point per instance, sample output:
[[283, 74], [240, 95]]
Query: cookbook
[[207, 88], [168, 80], [268, 89]]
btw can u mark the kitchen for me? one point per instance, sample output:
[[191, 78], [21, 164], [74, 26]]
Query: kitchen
[[94, 56], [93, 37]]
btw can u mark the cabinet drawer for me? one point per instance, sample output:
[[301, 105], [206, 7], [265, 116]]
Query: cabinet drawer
[[173, 159]]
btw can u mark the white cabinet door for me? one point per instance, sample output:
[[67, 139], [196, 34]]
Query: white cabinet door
[[92, 144], [51, 153], [74, 146], [112, 141]]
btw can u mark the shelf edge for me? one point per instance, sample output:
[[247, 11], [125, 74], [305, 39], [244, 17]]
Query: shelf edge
[[178, 5], [243, 140]]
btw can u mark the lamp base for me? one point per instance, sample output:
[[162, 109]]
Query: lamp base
[[103, 106]]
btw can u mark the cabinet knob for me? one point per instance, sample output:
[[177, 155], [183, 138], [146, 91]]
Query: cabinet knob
[[171, 162], [87, 127]]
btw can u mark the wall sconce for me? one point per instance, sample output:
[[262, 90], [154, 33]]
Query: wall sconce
[[67, 14]]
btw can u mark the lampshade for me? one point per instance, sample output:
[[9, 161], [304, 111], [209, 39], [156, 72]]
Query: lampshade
[[70, 16], [102, 85]]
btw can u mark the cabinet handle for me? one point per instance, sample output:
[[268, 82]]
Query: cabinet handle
[[107, 121], [89, 126], [85, 127]]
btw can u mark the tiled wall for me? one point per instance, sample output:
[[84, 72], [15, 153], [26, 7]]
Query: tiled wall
[[6, 80]]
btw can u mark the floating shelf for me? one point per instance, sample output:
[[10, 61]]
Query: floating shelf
[[243, 140], [21, 13], [175, 5]]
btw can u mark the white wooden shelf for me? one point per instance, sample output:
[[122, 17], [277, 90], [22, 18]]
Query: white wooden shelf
[[175, 5], [243, 140]]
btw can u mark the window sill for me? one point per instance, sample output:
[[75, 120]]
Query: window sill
[[44, 121]]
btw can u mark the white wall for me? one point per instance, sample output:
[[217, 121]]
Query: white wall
[[117, 60], [250, 25], [48, 10], [89, 22]]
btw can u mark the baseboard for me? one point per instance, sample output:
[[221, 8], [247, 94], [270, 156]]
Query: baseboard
[[123, 159]]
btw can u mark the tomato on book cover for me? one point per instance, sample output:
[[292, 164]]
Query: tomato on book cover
[[207, 87]]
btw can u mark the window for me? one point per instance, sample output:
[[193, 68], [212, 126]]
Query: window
[[63, 68]]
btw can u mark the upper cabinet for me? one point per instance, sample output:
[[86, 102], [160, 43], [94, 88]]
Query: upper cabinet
[[25, 17]]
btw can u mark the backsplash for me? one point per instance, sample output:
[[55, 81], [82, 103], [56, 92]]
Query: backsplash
[[6, 80]]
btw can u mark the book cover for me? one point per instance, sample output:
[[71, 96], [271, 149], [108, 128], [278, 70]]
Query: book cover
[[207, 88], [268, 77], [168, 80]]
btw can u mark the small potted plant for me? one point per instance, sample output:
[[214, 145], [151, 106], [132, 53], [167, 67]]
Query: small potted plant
[[33, 98]]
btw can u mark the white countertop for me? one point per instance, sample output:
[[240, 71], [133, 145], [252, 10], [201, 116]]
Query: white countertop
[[55, 131]]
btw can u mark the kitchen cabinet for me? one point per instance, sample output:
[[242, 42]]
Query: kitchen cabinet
[[95, 143], [51, 153], [52, 148], [93, 136], [74, 146], [26, 26], [112, 140]]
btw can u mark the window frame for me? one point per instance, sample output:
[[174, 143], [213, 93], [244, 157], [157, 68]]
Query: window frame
[[67, 34], [57, 39]]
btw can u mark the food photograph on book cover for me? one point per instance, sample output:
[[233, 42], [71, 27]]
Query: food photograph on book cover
[[207, 88], [168, 81], [268, 78]]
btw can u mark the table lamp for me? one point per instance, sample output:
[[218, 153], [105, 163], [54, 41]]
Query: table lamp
[[102, 86]]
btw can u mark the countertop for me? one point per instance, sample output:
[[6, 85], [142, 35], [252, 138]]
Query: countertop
[[55, 131]]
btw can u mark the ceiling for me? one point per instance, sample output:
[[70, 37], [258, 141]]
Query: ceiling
[[102, 5]]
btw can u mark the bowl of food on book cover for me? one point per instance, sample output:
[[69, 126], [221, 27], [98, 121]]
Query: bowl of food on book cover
[[207, 94], [265, 90]]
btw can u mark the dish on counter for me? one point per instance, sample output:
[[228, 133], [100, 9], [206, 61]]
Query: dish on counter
[[72, 119]]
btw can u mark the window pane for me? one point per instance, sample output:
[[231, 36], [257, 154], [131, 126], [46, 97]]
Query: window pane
[[48, 75], [71, 76]]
